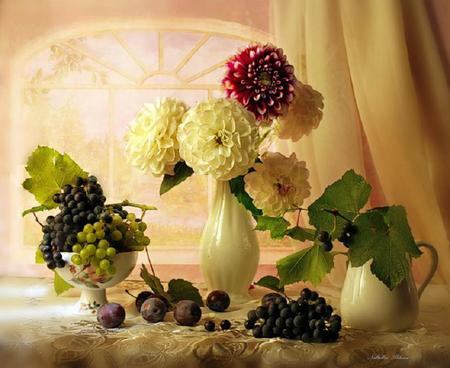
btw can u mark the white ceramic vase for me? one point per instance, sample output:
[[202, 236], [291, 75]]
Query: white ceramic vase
[[93, 287], [368, 304], [229, 247]]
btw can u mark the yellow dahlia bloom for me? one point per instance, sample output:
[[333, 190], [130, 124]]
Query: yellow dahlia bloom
[[152, 137], [304, 113], [219, 137], [278, 184]]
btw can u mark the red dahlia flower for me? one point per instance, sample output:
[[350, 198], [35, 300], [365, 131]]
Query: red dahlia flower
[[262, 80]]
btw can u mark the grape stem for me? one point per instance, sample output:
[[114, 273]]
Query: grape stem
[[336, 213], [130, 294], [127, 203], [37, 219], [150, 262]]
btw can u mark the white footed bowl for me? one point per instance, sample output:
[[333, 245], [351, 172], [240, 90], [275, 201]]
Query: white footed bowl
[[93, 287]]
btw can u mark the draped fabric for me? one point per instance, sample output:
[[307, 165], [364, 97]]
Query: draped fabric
[[387, 111]]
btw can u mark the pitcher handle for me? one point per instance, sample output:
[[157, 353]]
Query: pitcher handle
[[434, 264]]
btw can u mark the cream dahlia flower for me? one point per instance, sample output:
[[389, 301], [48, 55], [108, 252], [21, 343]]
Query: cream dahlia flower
[[304, 113], [152, 138], [219, 137], [278, 184]]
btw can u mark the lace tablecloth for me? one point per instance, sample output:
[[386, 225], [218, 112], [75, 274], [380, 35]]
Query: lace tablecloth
[[38, 329]]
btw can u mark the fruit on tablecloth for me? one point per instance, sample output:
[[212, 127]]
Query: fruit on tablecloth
[[187, 313], [153, 310], [225, 324], [111, 315], [218, 301], [210, 325], [269, 298], [309, 318], [140, 298]]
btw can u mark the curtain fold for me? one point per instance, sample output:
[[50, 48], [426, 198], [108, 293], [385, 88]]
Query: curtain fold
[[387, 111]]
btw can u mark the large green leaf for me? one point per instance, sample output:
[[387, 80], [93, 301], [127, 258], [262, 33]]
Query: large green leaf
[[181, 173], [237, 187], [301, 234], [270, 282], [347, 195], [276, 225], [49, 171], [383, 236], [180, 289], [309, 264], [60, 285]]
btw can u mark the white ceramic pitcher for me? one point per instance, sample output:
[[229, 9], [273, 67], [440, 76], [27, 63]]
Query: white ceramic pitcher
[[368, 304]]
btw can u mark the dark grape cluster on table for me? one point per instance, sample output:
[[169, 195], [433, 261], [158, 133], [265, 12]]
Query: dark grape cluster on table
[[309, 318], [90, 228]]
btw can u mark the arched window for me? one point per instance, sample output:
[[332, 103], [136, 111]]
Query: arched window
[[79, 93]]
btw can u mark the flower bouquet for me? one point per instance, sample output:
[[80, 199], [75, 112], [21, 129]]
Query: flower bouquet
[[223, 138]]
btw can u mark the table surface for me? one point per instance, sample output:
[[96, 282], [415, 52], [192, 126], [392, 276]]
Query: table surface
[[43, 328]]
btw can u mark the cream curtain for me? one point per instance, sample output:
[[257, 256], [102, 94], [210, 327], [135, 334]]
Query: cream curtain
[[387, 106]]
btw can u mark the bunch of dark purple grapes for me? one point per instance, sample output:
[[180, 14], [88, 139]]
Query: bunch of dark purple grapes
[[79, 204], [309, 318]]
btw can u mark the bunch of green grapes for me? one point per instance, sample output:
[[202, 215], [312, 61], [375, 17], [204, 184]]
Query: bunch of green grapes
[[116, 231]]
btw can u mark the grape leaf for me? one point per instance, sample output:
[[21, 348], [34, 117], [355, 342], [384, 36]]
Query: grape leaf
[[384, 237], [38, 257], [237, 187], [309, 264], [50, 171], [301, 234], [276, 225], [34, 210], [270, 282], [181, 173], [153, 282], [347, 195], [60, 285], [180, 289]]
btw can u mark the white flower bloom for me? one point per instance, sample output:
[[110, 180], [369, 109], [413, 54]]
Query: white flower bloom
[[304, 113], [152, 138], [278, 184], [219, 137]]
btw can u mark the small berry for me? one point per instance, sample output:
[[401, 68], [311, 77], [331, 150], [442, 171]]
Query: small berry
[[306, 337], [269, 299], [267, 331], [210, 325], [257, 331], [225, 324], [327, 246], [251, 315], [305, 294], [249, 324], [261, 312], [323, 236]]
